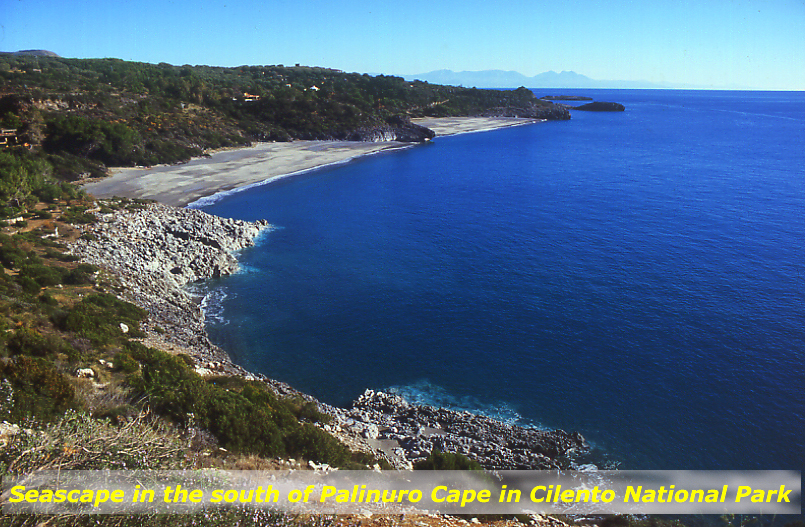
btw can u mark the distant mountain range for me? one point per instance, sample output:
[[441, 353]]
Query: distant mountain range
[[549, 79], [501, 78]]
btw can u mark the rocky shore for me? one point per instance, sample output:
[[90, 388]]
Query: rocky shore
[[556, 112], [153, 252], [410, 431]]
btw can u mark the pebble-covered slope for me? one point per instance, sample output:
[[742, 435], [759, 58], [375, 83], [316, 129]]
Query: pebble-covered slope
[[157, 250]]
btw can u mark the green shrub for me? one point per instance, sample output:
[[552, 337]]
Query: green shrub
[[317, 445], [244, 416], [98, 318], [47, 299], [438, 460], [123, 362], [171, 388], [77, 216], [39, 389], [11, 256], [24, 341], [78, 276], [28, 284], [43, 275], [52, 253], [108, 142], [187, 359], [239, 424]]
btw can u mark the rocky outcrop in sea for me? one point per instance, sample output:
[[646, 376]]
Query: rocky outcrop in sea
[[600, 107]]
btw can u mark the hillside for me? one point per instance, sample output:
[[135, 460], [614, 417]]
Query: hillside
[[116, 113]]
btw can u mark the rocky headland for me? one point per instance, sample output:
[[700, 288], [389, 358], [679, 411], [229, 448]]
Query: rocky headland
[[552, 112], [155, 251], [411, 431]]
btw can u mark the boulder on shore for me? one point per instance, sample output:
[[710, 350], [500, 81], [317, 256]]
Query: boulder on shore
[[495, 445]]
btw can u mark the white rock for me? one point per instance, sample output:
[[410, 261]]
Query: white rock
[[8, 429], [124, 328], [107, 364], [84, 373], [371, 431]]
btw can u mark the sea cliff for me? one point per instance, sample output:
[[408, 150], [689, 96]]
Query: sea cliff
[[154, 251]]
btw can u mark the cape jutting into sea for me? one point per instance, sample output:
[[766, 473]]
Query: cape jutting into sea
[[637, 277]]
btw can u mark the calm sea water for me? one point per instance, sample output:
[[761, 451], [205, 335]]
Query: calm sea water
[[635, 276]]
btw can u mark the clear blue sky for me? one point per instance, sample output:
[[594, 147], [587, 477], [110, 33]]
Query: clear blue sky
[[754, 43]]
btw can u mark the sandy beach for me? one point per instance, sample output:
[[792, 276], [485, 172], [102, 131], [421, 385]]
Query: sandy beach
[[462, 125], [180, 185]]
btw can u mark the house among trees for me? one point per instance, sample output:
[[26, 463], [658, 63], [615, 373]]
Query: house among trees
[[8, 137]]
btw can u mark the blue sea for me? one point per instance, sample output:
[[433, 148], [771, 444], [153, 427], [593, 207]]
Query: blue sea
[[638, 277]]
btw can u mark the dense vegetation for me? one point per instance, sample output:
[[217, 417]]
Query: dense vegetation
[[128, 113]]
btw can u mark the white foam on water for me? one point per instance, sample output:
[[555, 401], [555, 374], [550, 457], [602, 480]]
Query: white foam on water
[[424, 392], [212, 304]]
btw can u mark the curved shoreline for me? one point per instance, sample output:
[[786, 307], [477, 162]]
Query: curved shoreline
[[223, 192], [236, 169], [155, 250]]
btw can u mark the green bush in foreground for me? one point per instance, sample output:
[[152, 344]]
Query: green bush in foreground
[[39, 389], [98, 318], [244, 416], [438, 460]]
